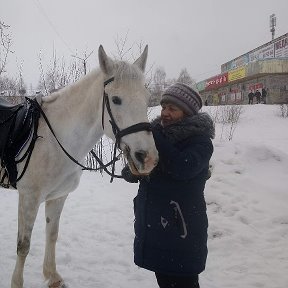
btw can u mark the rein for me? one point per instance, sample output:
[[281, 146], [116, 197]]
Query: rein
[[102, 165], [142, 126]]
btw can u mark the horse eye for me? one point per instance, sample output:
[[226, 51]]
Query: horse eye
[[116, 100]]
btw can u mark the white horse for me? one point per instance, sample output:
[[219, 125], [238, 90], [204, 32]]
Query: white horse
[[75, 113]]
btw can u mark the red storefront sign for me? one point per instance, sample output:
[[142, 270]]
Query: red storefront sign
[[255, 86], [216, 81]]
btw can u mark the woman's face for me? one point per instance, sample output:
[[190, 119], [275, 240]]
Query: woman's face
[[170, 114]]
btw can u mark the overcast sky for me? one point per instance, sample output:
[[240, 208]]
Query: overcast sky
[[198, 35]]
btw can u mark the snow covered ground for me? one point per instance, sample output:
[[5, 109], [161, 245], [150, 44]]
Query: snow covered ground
[[247, 198]]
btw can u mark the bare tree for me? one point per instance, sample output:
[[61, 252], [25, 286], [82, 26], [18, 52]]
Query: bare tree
[[21, 86], [122, 47], [130, 52], [42, 83], [84, 60], [158, 85], [185, 78], [284, 110], [8, 85], [58, 74], [75, 71], [228, 117], [5, 45], [160, 77]]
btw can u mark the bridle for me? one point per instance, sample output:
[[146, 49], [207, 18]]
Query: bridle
[[142, 126], [118, 133]]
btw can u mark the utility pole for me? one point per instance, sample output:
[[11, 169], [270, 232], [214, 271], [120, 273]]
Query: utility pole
[[84, 60], [272, 25]]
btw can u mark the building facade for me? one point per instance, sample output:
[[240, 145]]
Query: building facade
[[264, 67]]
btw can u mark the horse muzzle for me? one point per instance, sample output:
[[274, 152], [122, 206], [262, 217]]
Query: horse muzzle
[[141, 162]]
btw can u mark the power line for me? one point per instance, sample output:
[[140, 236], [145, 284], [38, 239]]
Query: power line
[[42, 11]]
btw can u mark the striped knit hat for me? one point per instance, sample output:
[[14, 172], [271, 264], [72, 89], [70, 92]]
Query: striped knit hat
[[184, 97]]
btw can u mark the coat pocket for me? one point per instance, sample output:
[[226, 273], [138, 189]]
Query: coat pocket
[[172, 221]]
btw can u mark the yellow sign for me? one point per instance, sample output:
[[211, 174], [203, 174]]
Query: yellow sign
[[236, 74]]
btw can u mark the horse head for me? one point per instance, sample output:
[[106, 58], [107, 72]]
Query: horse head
[[125, 117]]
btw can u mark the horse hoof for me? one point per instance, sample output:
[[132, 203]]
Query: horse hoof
[[58, 284]]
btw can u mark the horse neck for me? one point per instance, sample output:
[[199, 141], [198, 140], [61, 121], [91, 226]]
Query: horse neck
[[78, 110]]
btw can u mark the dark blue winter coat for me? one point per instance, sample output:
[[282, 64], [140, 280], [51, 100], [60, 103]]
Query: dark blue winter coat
[[170, 210]]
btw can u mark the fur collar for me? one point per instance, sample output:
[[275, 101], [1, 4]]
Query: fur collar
[[199, 124]]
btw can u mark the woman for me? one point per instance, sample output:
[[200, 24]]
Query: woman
[[170, 210]]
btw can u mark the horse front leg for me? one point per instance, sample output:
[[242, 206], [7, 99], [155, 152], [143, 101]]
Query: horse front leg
[[53, 209], [27, 211]]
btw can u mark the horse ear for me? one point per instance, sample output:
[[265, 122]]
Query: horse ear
[[106, 64], [141, 61]]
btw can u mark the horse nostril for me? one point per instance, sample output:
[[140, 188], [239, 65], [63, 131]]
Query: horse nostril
[[141, 155]]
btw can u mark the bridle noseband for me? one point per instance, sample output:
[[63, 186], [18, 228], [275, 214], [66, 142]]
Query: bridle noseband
[[118, 133]]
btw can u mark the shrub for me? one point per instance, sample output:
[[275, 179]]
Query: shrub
[[284, 110]]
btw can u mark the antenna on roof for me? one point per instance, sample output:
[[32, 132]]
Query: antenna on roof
[[272, 25]]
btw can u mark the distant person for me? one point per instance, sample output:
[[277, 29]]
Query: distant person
[[206, 102], [264, 95], [170, 209], [250, 97], [258, 96]]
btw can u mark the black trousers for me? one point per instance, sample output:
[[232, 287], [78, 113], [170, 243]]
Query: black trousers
[[168, 281]]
